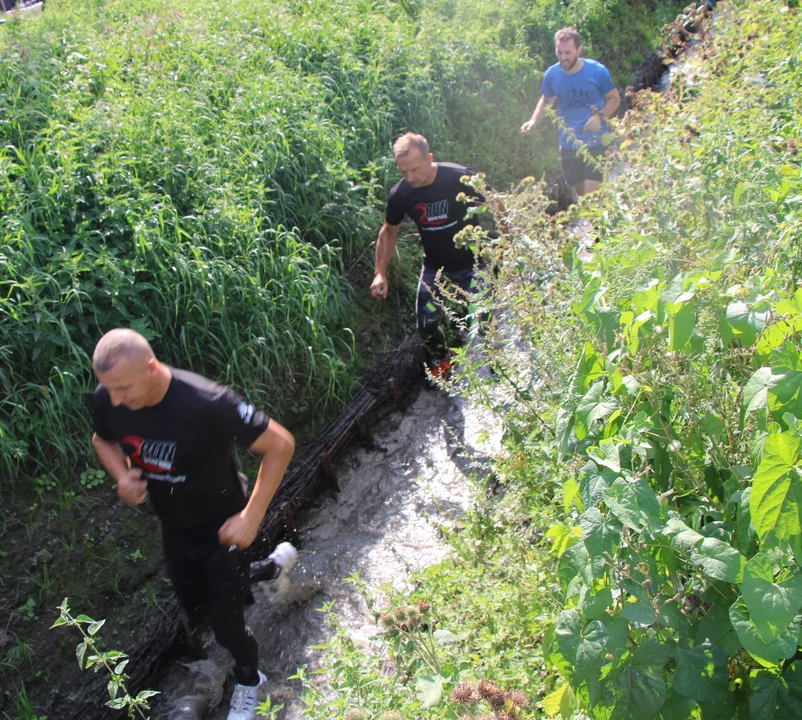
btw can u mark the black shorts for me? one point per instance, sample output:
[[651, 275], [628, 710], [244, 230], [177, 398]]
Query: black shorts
[[576, 169]]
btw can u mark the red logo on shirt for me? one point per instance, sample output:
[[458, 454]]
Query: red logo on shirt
[[435, 213], [154, 455]]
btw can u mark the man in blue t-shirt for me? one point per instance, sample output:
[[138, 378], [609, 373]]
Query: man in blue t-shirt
[[587, 98]]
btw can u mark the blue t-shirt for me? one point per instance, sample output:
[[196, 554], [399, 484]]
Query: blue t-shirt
[[576, 93]]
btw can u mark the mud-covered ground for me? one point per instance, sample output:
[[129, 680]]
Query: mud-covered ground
[[383, 524]]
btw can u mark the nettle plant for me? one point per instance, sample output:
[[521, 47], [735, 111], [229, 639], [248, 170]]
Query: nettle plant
[[680, 560]]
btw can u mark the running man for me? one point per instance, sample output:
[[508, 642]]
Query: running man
[[428, 195], [587, 99], [168, 434]]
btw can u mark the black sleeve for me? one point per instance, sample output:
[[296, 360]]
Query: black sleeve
[[236, 418], [395, 207], [100, 406]]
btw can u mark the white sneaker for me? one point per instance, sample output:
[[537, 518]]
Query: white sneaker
[[285, 556], [245, 699]]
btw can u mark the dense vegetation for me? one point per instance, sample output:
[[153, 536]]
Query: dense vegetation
[[206, 173], [644, 552], [210, 174]]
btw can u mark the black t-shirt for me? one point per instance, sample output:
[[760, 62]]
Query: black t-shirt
[[438, 215], [184, 447]]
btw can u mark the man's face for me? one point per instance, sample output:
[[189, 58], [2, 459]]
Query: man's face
[[129, 382], [567, 54], [415, 168]]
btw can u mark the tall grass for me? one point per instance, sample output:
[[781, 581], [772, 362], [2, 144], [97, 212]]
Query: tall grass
[[205, 172]]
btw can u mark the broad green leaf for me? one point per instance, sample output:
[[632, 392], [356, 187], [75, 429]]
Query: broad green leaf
[[600, 538], [593, 481], [429, 689], [607, 455], [682, 537], [744, 529], [632, 329], [764, 698], [80, 654], [791, 306], [592, 408], [772, 606], [589, 652], [560, 702], [774, 503], [786, 383], [589, 368], [701, 672], [719, 560], [791, 703], [746, 324], [563, 537], [635, 504], [677, 707], [95, 627], [768, 654], [639, 612], [680, 327], [571, 494], [567, 636], [775, 336], [716, 627], [756, 392], [594, 605], [637, 691]]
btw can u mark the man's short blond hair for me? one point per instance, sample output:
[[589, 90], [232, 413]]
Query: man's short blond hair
[[409, 142], [568, 33], [120, 344]]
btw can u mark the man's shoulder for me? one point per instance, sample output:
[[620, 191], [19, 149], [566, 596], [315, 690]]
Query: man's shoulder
[[595, 66], [399, 191], [455, 169], [191, 385]]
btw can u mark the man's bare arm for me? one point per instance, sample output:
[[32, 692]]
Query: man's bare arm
[[130, 486], [384, 251], [537, 115], [276, 445]]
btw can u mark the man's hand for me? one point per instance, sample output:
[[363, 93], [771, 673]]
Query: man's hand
[[237, 531], [526, 128], [379, 287], [131, 488], [594, 123]]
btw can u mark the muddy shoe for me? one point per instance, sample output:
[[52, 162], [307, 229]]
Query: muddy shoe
[[440, 369], [245, 699]]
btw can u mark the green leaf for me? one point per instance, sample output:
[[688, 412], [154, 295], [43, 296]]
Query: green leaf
[[80, 653], [591, 409], [716, 627], [774, 503], [701, 672], [637, 691], [746, 324], [632, 328], [792, 306], [634, 504], [444, 637], [756, 392], [744, 529], [769, 654], [772, 606], [145, 694], [563, 537], [606, 454], [786, 383], [429, 689], [677, 707], [560, 702], [639, 612], [680, 327], [719, 560], [593, 481], [95, 627], [567, 634], [774, 696], [600, 538]]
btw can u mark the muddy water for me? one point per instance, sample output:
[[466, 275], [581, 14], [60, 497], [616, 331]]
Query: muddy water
[[382, 524]]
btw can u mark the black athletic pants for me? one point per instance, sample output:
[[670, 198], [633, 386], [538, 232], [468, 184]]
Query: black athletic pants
[[211, 580]]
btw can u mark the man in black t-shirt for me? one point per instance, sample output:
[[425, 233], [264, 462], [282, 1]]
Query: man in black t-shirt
[[168, 433], [428, 195]]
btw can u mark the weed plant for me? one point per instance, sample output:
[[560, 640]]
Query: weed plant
[[649, 387]]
